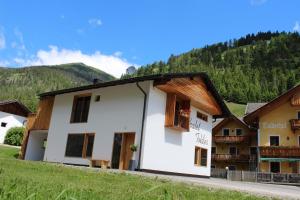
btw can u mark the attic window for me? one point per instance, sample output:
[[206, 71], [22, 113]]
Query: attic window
[[177, 113], [3, 124], [97, 98], [202, 116]]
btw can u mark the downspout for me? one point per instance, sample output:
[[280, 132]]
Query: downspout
[[143, 122]]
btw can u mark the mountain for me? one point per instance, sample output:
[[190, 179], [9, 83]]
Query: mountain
[[254, 68], [24, 84]]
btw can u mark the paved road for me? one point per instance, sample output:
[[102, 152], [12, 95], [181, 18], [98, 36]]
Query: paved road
[[259, 189]]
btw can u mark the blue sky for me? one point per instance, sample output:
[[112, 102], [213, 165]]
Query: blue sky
[[112, 35]]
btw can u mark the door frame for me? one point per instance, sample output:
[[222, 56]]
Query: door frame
[[123, 153]]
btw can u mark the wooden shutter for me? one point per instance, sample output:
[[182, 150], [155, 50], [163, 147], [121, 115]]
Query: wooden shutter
[[170, 110]]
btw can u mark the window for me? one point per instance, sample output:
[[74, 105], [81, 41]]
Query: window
[[226, 132], [232, 151], [239, 132], [231, 168], [202, 116], [253, 150], [298, 115], [213, 150], [299, 142], [80, 110], [80, 145], [3, 124], [97, 98], [213, 166], [275, 167], [204, 157], [274, 140], [200, 158], [177, 114]]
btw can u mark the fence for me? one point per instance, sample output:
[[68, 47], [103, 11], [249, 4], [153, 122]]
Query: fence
[[252, 176]]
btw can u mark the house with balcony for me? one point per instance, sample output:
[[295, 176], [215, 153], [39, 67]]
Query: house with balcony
[[234, 145], [158, 123], [278, 131]]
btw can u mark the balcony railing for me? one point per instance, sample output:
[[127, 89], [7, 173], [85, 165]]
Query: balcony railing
[[230, 139], [295, 124], [229, 157], [280, 152]]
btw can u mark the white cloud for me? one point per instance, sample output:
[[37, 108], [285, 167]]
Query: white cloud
[[257, 2], [112, 64], [19, 43], [2, 39], [296, 27], [95, 22]]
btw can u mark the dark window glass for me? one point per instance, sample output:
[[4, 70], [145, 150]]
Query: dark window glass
[[213, 150], [213, 166], [226, 132], [274, 140], [253, 150], [90, 144], [116, 151], [231, 167], [3, 124], [239, 132], [275, 167], [298, 114], [202, 116], [75, 145], [177, 112], [80, 111], [203, 157], [232, 151], [299, 140]]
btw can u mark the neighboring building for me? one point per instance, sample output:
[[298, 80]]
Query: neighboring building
[[12, 113], [234, 145], [169, 117], [278, 129]]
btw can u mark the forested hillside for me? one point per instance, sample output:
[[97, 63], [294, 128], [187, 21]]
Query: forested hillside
[[254, 68], [26, 83]]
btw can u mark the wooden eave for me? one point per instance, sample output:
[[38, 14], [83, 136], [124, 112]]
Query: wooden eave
[[225, 121], [193, 89]]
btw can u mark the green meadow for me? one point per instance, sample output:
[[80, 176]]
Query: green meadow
[[38, 180]]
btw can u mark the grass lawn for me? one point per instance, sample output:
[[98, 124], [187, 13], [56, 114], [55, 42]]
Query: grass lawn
[[37, 180], [236, 109]]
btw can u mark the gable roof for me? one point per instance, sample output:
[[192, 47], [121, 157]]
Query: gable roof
[[156, 77], [218, 124], [14, 107], [252, 107], [253, 116]]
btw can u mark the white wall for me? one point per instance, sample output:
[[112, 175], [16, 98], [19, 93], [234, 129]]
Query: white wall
[[169, 150], [35, 146], [11, 120], [119, 110]]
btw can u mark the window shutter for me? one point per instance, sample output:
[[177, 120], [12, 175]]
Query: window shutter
[[170, 110]]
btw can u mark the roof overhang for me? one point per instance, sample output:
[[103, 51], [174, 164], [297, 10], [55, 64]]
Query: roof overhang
[[253, 117], [225, 121], [14, 107]]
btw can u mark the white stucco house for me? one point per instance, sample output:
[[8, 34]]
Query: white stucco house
[[167, 117], [12, 113]]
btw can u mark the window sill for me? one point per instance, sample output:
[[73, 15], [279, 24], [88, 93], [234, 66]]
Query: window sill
[[178, 128]]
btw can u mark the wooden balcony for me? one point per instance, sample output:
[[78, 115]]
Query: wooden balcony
[[231, 139], [295, 124], [279, 152], [229, 157]]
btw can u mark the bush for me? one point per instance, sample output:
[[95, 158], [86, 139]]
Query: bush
[[14, 136]]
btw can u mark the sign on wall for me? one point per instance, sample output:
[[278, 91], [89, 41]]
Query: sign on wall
[[201, 138]]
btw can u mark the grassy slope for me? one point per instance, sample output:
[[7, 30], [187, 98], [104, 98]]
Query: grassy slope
[[236, 109], [37, 180]]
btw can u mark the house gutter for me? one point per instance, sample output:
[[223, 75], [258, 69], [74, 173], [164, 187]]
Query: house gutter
[[143, 122]]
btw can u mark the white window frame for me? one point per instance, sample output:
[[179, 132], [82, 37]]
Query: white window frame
[[223, 131], [279, 167], [240, 129], [274, 136]]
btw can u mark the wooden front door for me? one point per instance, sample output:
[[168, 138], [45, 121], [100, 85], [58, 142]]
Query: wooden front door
[[121, 150]]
